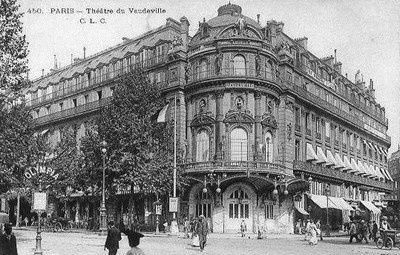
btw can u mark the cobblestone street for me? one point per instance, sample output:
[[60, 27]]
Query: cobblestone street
[[92, 244]]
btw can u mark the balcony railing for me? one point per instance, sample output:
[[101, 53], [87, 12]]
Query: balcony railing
[[297, 127], [318, 136], [67, 113], [319, 102], [211, 73], [234, 166], [327, 139], [307, 70], [341, 176], [95, 80]]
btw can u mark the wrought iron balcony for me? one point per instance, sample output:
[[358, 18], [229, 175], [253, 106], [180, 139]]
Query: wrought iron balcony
[[245, 73], [234, 166], [341, 176], [328, 139], [71, 112], [297, 127], [318, 136]]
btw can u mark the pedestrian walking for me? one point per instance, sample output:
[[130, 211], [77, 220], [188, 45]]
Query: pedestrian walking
[[134, 241], [364, 231], [298, 227], [113, 238], [353, 231], [202, 231], [243, 228], [307, 230], [319, 231], [8, 242], [374, 230], [313, 232], [186, 227]]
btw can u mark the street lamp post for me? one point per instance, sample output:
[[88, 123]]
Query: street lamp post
[[327, 191], [38, 250], [103, 223]]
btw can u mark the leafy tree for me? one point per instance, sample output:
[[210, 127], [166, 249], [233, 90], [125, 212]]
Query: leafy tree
[[139, 150], [19, 146], [13, 48]]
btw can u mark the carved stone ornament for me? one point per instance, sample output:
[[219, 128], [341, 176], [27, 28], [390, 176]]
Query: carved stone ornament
[[238, 117], [289, 105], [202, 105], [240, 26], [239, 102], [269, 120], [202, 120], [289, 130], [177, 41]]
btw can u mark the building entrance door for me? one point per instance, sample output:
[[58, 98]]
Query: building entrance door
[[239, 207]]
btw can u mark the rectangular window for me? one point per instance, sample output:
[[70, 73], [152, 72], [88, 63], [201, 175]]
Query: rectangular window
[[61, 106], [297, 116], [297, 150], [327, 129], [269, 211], [74, 102], [99, 94], [86, 98]]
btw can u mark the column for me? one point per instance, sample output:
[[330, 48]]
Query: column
[[257, 127], [219, 125]]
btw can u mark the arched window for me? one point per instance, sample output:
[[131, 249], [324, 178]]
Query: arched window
[[269, 147], [239, 144], [202, 146], [268, 69], [203, 69], [239, 65]]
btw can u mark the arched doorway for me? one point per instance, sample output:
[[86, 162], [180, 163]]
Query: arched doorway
[[239, 202], [201, 203]]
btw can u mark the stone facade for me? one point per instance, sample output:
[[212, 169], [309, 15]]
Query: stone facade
[[258, 116]]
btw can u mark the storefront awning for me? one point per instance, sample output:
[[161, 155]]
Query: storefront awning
[[311, 155], [300, 210], [370, 206], [342, 203], [332, 159], [321, 201], [321, 156]]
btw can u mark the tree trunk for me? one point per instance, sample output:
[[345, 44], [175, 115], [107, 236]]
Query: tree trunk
[[18, 208], [131, 207]]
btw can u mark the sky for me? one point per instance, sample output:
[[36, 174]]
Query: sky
[[366, 33]]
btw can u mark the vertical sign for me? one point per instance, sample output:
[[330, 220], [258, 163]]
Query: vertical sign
[[39, 201], [158, 209], [173, 204]]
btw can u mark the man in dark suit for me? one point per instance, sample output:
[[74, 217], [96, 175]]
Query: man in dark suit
[[202, 231], [113, 238], [8, 242]]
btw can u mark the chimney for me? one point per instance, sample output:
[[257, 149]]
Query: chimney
[[272, 27], [42, 72], [184, 30], [335, 56], [302, 42], [55, 62], [338, 67], [84, 52], [328, 60], [258, 18], [280, 26], [371, 88], [72, 59]]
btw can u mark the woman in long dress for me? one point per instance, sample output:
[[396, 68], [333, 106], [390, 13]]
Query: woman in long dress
[[313, 231]]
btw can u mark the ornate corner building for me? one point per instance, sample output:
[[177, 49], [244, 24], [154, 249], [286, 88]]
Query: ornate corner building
[[270, 132]]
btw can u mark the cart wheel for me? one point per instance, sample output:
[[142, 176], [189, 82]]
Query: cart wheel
[[379, 243], [389, 243], [58, 226]]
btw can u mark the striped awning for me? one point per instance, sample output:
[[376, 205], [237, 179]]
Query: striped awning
[[321, 156], [311, 155], [332, 159]]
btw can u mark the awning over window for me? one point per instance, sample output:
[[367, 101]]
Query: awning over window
[[342, 203], [384, 152], [361, 167], [44, 131], [311, 155], [370, 206], [300, 210], [347, 163], [377, 172], [354, 167], [369, 173], [383, 172], [370, 145], [376, 148], [321, 202], [387, 174], [340, 161], [367, 144], [332, 159], [321, 156]]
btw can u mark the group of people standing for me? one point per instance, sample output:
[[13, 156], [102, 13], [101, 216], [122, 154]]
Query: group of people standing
[[114, 236]]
